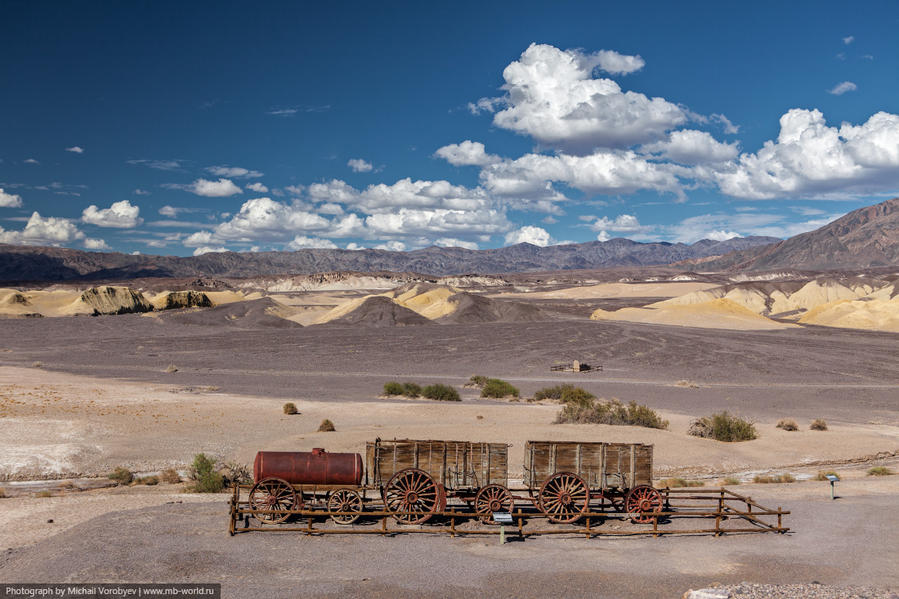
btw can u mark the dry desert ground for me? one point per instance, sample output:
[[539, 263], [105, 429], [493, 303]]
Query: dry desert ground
[[81, 395]]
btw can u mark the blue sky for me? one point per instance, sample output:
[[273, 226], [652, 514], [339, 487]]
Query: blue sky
[[182, 128]]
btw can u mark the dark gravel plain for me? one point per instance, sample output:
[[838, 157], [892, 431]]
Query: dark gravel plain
[[810, 372]]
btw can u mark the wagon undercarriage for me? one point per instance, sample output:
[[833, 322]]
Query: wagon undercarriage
[[318, 509]]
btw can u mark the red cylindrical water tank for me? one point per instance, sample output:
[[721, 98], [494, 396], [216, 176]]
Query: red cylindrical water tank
[[316, 467]]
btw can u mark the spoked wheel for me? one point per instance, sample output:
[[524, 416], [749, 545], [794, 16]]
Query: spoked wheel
[[493, 498], [273, 494], [564, 497], [643, 499], [415, 492], [345, 500]]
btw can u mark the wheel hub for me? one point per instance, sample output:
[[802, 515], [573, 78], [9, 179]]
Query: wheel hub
[[411, 497]]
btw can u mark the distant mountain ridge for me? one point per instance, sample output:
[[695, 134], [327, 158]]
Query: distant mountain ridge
[[864, 238], [45, 264]]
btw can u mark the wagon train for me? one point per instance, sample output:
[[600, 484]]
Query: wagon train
[[464, 487]]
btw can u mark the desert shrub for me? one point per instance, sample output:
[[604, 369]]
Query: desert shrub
[[565, 393], [170, 476], [171, 368], [441, 392], [407, 389], [2, 493], [326, 426], [497, 388], [290, 408], [880, 471], [121, 475], [477, 380], [411, 389], [610, 412], [43, 494], [723, 427], [147, 480], [774, 478], [686, 384], [788, 425], [818, 425], [235, 472], [675, 483], [731, 480], [822, 474], [480, 417], [37, 364], [393, 388], [206, 479]]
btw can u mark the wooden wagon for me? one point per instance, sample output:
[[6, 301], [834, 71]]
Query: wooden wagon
[[417, 476], [572, 474]]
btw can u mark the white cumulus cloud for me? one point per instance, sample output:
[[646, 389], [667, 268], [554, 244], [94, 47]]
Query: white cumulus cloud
[[450, 242], [257, 187], [301, 242], [95, 244], [121, 215], [9, 200], [392, 246], [467, 153], [688, 146], [618, 64], [811, 159], [75, 149], [841, 88], [553, 97], [214, 189], [529, 234], [43, 231], [358, 165], [209, 250]]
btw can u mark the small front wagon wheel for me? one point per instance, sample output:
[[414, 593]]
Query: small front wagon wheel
[[491, 499], [270, 496], [345, 500]]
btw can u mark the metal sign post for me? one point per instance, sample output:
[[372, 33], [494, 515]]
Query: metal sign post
[[502, 518], [832, 478]]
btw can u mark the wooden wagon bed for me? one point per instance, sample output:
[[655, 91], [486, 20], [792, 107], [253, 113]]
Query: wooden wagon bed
[[453, 464], [605, 466]]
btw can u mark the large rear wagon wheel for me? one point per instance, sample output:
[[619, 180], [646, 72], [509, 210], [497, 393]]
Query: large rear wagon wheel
[[493, 498], [273, 495], [345, 500], [564, 497], [640, 500], [414, 496]]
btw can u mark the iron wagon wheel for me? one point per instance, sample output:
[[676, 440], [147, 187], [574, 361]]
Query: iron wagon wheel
[[643, 499], [345, 500], [273, 494], [564, 497], [415, 492], [493, 498]]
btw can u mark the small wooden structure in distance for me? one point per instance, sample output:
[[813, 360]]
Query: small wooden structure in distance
[[574, 366]]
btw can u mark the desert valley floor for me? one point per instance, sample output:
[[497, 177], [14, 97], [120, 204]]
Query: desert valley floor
[[81, 395]]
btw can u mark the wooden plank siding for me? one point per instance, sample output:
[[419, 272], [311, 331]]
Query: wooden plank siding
[[601, 465], [454, 464]]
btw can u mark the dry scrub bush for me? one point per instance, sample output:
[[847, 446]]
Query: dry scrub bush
[[498, 388], [440, 392], [822, 474], [480, 417], [37, 364], [788, 425], [731, 480], [147, 480], [880, 471], [477, 380], [326, 426], [170, 476], [406, 389], [723, 427], [43, 494], [818, 425], [565, 393], [775, 478], [290, 408], [235, 472], [204, 477], [676, 483], [592, 411], [686, 384], [2, 493], [171, 368], [121, 475]]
